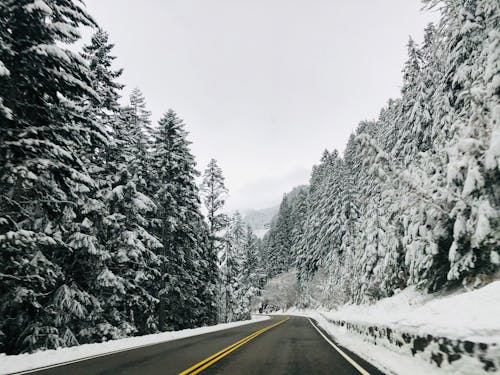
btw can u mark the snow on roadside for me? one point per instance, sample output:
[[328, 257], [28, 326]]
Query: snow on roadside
[[470, 316], [24, 362], [386, 360]]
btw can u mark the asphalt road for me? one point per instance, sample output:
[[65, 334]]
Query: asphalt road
[[292, 347]]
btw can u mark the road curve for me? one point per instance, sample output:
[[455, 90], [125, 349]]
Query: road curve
[[291, 346]]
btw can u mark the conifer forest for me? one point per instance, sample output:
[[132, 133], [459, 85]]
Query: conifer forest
[[109, 228]]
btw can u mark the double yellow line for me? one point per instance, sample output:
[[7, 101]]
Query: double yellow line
[[207, 362]]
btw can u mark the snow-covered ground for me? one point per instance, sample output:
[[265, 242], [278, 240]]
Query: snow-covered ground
[[24, 362], [381, 357], [473, 316]]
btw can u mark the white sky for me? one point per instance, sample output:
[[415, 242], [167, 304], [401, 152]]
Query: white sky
[[264, 86]]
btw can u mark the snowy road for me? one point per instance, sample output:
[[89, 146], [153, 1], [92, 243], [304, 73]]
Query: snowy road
[[283, 345]]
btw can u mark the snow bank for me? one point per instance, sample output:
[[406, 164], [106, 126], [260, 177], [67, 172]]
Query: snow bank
[[471, 316], [23, 362], [410, 332], [386, 360]]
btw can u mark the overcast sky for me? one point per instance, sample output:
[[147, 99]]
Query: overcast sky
[[264, 86]]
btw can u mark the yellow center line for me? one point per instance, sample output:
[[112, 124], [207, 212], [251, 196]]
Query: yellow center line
[[207, 362]]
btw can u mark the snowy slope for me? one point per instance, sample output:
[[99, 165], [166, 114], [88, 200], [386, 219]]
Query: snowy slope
[[472, 315], [23, 362]]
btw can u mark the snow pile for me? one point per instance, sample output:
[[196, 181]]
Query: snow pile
[[24, 362], [471, 316], [386, 360]]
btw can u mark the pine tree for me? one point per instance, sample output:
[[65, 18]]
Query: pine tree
[[214, 194], [308, 262], [233, 286], [407, 137], [471, 50], [41, 174], [89, 228], [132, 269], [187, 296], [279, 253], [330, 211], [136, 122], [299, 216], [104, 78], [252, 273]]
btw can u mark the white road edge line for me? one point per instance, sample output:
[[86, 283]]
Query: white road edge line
[[30, 371], [360, 369]]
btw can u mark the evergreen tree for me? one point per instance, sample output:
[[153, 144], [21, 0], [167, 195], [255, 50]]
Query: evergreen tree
[[136, 121], [43, 130], [214, 194], [307, 260], [410, 105], [187, 295], [104, 78], [118, 211], [299, 217], [279, 257], [252, 273], [233, 286], [470, 31], [131, 271], [90, 227]]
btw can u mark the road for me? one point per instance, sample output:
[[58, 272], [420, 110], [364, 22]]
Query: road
[[283, 345]]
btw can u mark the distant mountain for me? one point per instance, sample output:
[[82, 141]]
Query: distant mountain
[[260, 220]]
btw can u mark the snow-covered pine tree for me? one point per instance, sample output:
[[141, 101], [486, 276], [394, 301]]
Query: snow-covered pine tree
[[299, 216], [233, 286], [251, 276], [409, 121], [279, 241], [252, 264], [329, 239], [389, 121], [112, 213], [469, 30], [350, 210], [187, 295], [132, 270], [307, 262], [214, 193], [41, 175], [136, 120], [431, 73], [104, 77]]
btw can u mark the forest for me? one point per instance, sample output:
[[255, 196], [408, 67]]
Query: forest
[[102, 234], [414, 199], [106, 233]]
